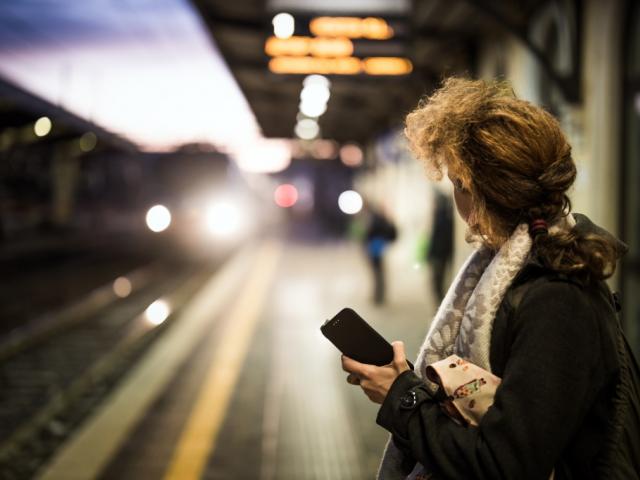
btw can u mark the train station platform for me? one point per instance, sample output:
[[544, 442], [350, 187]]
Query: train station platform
[[243, 385]]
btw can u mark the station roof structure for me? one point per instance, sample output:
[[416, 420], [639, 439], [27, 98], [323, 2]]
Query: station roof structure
[[439, 37], [145, 71]]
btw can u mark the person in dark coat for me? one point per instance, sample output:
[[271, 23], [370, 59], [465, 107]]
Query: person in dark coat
[[440, 249], [530, 305]]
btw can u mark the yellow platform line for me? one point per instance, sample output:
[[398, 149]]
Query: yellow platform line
[[199, 436]]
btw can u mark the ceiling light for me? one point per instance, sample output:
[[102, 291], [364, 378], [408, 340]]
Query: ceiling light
[[316, 80], [372, 28], [350, 202], [327, 66], [275, 46], [313, 109], [331, 47], [283, 25], [315, 93], [307, 129], [300, 46], [387, 66]]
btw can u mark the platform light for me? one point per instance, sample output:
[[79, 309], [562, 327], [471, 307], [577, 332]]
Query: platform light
[[283, 25], [312, 109], [331, 47], [122, 287], [316, 80], [158, 218], [341, 66], [294, 46], [42, 127], [372, 28], [351, 155], [324, 149], [157, 312], [350, 202], [387, 66], [308, 65], [315, 93], [223, 218], [286, 195], [301, 46], [307, 129], [88, 142]]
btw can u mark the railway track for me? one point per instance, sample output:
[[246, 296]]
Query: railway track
[[51, 377]]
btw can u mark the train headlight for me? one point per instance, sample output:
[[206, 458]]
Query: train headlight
[[158, 218], [224, 219]]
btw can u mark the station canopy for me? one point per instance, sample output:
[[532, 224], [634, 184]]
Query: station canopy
[[163, 73]]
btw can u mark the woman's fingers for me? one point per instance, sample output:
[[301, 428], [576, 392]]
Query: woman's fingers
[[352, 379], [399, 356], [349, 365]]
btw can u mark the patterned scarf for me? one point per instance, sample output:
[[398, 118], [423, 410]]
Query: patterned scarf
[[463, 323]]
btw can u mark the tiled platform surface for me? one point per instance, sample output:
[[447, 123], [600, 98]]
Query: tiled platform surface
[[291, 415]]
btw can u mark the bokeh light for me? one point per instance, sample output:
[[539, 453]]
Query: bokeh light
[[307, 129], [88, 142], [316, 80], [283, 25], [157, 312], [350, 202], [42, 127], [122, 287], [315, 93], [286, 195], [313, 109], [158, 218], [324, 149], [351, 155], [223, 218]]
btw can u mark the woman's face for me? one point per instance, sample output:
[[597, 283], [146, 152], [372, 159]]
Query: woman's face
[[462, 198]]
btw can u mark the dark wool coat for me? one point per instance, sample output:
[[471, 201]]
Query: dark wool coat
[[554, 346]]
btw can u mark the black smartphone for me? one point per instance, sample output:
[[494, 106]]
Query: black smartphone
[[355, 338]]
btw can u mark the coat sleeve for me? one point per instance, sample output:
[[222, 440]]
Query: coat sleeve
[[545, 393]]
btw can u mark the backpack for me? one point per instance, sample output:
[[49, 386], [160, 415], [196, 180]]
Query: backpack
[[620, 458], [620, 455]]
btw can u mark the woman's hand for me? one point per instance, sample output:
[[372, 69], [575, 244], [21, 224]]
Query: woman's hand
[[376, 381]]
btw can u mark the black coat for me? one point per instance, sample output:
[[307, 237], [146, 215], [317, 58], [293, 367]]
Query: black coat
[[554, 346]]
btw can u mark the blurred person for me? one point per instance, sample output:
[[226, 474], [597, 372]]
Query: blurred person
[[530, 306], [440, 246], [379, 232]]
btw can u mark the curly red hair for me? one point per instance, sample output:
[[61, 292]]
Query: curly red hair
[[514, 160]]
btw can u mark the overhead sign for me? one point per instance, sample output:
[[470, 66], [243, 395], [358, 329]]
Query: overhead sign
[[341, 66], [315, 46], [330, 52], [371, 28]]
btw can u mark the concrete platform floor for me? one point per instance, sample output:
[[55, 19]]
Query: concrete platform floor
[[244, 385]]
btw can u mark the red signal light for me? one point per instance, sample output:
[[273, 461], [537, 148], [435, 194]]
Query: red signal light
[[286, 195]]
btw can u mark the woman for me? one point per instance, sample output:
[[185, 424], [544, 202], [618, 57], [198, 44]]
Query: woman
[[529, 305]]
